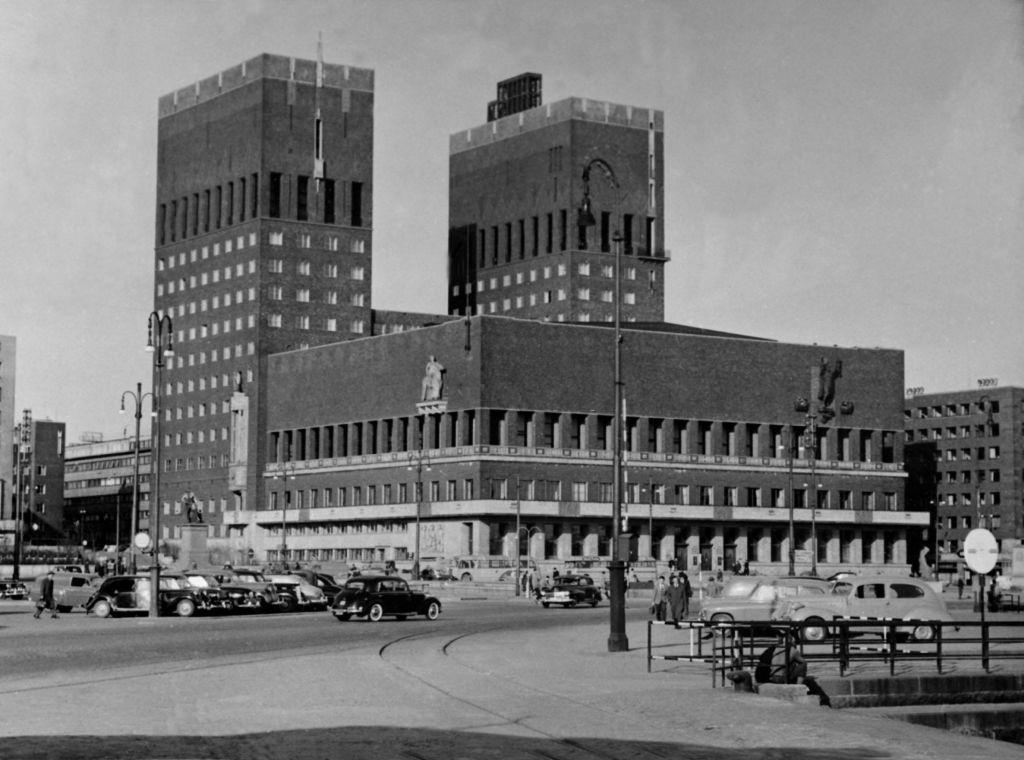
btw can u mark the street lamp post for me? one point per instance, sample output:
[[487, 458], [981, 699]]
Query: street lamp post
[[287, 473], [418, 457], [137, 397], [161, 343], [791, 498], [617, 640]]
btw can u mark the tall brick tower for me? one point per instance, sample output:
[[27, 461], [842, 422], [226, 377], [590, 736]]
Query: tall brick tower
[[263, 244], [517, 186]]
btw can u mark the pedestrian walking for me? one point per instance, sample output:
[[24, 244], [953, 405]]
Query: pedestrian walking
[[659, 599], [684, 581], [675, 597], [960, 587], [45, 601]]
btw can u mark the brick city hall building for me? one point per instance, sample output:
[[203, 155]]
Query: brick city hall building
[[303, 420]]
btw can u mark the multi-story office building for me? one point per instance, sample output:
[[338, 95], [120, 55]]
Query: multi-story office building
[[39, 479], [263, 244], [8, 361], [524, 438], [537, 199], [965, 459], [99, 490]]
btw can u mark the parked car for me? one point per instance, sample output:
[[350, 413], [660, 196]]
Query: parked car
[[71, 590], [298, 594], [10, 589], [374, 596], [570, 590], [870, 596], [131, 594], [762, 600], [322, 581], [239, 597], [253, 580], [215, 598]]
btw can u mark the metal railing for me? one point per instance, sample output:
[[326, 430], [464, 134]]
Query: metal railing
[[737, 646]]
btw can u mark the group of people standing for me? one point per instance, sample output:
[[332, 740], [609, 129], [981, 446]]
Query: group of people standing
[[671, 602]]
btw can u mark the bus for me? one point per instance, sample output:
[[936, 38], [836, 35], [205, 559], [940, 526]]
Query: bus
[[494, 568]]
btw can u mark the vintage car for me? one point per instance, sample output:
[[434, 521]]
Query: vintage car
[[71, 590], [297, 593], [13, 590], [237, 598], [873, 597], [571, 590], [215, 596], [131, 594], [253, 580], [761, 600], [374, 596], [322, 581]]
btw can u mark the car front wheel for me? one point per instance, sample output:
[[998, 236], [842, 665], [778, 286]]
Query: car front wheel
[[466, 578], [923, 633], [185, 608], [814, 631], [343, 617], [376, 613], [102, 609], [433, 611]]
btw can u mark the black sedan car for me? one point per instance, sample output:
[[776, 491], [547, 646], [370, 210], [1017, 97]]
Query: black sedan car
[[131, 594], [374, 596], [571, 590]]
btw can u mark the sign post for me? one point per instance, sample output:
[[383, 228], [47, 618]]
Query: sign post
[[981, 550]]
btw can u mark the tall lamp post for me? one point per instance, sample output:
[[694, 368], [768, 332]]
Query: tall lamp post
[[137, 397], [287, 473], [161, 343], [617, 640], [419, 461]]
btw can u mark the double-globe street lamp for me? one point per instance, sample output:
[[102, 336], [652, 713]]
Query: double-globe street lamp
[[617, 640], [137, 397], [161, 343]]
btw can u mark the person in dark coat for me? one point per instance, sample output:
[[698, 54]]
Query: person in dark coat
[[46, 601], [675, 598]]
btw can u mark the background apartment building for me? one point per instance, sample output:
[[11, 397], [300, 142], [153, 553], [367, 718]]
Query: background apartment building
[[965, 460]]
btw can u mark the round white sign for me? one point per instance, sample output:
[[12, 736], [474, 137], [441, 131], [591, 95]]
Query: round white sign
[[981, 550], [141, 540]]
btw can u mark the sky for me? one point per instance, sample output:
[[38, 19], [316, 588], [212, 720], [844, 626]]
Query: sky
[[836, 172]]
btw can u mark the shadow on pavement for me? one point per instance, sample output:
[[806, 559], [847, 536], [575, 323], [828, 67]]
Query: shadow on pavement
[[357, 742]]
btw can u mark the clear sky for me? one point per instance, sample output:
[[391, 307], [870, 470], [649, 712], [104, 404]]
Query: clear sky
[[837, 172]]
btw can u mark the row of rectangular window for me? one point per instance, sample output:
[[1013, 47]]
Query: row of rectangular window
[[274, 237], [628, 273], [196, 436], [962, 409], [990, 430], [214, 208], [302, 295], [578, 431], [180, 360], [303, 322], [579, 491], [502, 244]]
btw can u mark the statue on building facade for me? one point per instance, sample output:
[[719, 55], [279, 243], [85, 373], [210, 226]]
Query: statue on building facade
[[433, 381]]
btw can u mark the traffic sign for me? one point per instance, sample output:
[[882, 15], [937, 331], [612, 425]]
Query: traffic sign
[[141, 540], [981, 551]]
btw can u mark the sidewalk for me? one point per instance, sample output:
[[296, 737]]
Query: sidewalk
[[501, 694]]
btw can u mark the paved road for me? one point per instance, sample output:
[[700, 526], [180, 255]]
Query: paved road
[[416, 690]]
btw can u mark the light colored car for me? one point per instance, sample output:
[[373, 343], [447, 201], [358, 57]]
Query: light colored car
[[307, 596], [71, 590], [882, 597], [762, 600]]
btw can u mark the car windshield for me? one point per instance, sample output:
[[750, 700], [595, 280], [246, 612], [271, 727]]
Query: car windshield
[[763, 593], [198, 581], [172, 584]]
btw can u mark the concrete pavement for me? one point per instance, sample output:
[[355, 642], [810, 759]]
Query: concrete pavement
[[556, 693]]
